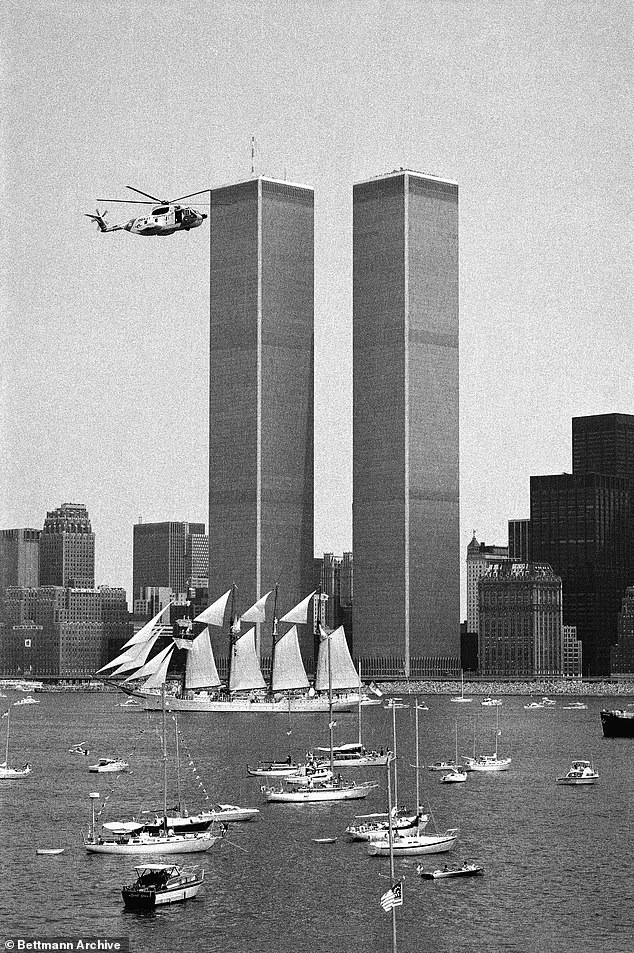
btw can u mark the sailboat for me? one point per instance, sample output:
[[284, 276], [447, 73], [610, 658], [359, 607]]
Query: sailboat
[[405, 843], [8, 773], [455, 776], [489, 762], [330, 788], [202, 689], [131, 837], [461, 697]]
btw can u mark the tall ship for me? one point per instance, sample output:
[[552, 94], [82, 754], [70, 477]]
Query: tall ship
[[618, 723], [140, 673]]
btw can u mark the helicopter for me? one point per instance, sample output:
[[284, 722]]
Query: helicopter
[[165, 218]]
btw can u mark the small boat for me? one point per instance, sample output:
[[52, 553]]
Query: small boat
[[372, 826], [617, 723], [456, 775], [467, 870], [130, 703], [353, 755], [461, 696], [576, 706], [410, 845], [79, 749], [533, 706], [106, 765], [489, 762], [309, 776], [548, 702], [29, 700], [50, 850], [202, 821], [274, 769], [490, 702], [159, 884], [324, 840], [580, 772], [334, 790], [443, 766]]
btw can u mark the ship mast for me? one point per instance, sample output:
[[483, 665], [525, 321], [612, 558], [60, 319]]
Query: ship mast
[[273, 634], [232, 640]]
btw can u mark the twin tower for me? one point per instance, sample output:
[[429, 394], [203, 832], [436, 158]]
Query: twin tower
[[406, 548]]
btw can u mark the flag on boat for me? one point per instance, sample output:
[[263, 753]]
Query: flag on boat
[[393, 897]]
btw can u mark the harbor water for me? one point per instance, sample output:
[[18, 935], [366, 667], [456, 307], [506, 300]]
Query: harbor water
[[557, 859]]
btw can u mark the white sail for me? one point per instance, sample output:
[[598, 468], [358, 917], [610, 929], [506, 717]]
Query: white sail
[[158, 679], [257, 612], [215, 613], [245, 667], [152, 666], [201, 671], [134, 657], [145, 632], [299, 614], [344, 674], [288, 669]]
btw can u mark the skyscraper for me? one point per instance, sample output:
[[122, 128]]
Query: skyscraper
[[19, 558], [261, 393], [159, 555], [67, 548], [582, 523], [405, 422]]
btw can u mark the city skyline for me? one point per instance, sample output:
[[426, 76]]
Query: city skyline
[[107, 335]]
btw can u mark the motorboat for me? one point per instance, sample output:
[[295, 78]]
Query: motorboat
[[79, 749], [576, 706], [274, 769], [490, 702], [466, 870], [29, 700], [108, 765], [443, 766], [335, 789], [130, 703], [454, 777], [411, 845], [534, 706], [372, 826], [353, 755], [159, 884], [580, 772], [617, 723], [548, 702]]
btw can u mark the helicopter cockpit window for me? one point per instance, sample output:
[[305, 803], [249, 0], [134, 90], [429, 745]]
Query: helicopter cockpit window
[[163, 210]]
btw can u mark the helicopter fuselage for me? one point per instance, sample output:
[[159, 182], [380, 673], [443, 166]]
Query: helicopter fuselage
[[165, 220]]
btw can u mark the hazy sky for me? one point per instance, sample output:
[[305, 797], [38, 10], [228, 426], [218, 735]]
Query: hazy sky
[[526, 104]]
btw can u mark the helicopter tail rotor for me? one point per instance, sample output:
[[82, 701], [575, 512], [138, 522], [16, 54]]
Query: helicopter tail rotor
[[100, 220]]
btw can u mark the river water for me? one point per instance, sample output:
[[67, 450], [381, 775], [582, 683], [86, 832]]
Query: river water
[[558, 859]]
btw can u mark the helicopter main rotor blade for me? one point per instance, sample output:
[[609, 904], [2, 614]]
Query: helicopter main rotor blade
[[148, 196], [190, 195], [127, 201]]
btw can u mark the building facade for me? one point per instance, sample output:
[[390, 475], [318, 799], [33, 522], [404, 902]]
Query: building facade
[[67, 548], [261, 396], [520, 620], [519, 540], [480, 558], [405, 424], [604, 443], [19, 558], [622, 654], [160, 555], [571, 652]]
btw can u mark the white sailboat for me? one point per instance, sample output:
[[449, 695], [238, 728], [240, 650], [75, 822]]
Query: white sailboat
[[131, 837], [461, 697], [455, 775], [405, 843], [7, 773], [489, 762], [330, 788]]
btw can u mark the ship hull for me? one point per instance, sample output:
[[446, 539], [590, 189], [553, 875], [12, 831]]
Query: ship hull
[[617, 724], [237, 706]]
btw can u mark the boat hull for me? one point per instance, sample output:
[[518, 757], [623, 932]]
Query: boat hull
[[488, 765], [242, 706], [414, 846], [179, 844], [137, 901], [14, 774], [470, 871], [617, 724], [314, 795]]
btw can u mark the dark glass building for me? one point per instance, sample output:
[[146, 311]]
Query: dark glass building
[[405, 424], [160, 555], [583, 524], [67, 548], [261, 395], [19, 558], [519, 540]]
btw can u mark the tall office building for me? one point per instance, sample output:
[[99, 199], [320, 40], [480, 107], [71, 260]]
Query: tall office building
[[261, 395], [160, 555], [520, 620], [604, 443], [19, 558], [67, 548], [480, 558], [405, 423], [582, 523], [622, 655], [519, 540]]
